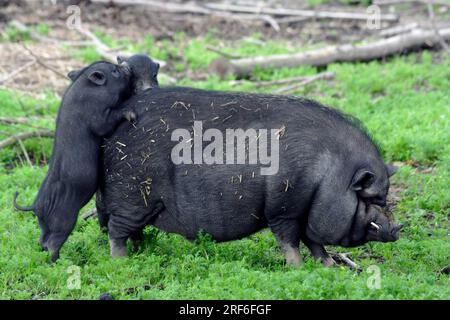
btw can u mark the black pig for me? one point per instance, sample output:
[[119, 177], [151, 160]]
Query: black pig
[[328, 166], [144, 71], [90, 110]]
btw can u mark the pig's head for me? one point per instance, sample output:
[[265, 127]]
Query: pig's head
[[144, 71], [371, 223], [97, 90], [371, 182]]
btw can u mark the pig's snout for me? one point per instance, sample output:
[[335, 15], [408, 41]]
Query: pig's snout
[[395, 232]]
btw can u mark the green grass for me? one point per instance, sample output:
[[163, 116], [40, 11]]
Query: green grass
[[403, 102]]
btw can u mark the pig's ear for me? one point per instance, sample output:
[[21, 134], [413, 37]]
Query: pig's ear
[[391, 169], [97, 77], [73, 74], [121, 59], [362, 179]]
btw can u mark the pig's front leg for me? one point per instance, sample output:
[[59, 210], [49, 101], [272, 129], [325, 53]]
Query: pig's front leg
[[318, 252], [118, 247]]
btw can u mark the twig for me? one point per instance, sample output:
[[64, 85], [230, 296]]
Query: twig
[[36, 36], [26, 135], [17, 71], [89, 214], [305, 81], [42, 63], [24, 150], [21, 120], [436, 30], [102, 49], [224, 54]]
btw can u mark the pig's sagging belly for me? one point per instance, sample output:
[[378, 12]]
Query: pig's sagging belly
[[190, 228], [228, 205]]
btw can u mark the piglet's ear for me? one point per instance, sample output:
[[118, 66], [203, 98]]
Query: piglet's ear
[[120, 59], [97, 77], [362, 179], [73, 74], [391, 169]]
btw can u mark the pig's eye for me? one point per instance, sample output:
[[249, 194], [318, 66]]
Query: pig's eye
[[115, 73]]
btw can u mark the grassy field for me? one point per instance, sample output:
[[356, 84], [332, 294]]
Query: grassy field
[[404, 103]]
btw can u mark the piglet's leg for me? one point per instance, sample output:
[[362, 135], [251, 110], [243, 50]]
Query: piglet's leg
[[288, 237], [318, 252]]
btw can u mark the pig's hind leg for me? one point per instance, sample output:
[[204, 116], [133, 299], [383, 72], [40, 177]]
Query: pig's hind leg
[[287, 233], [128, 222]]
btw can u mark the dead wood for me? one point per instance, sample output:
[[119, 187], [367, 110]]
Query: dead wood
[[341, 53], [26, 135]]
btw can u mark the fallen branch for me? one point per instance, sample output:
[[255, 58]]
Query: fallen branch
[[26, 135], [21, 120], [36, 36], [391, 2], [389, 32], [40, 61], [302, 13], [223, 54], [213, 8], [17, 71], [305, 81], [344, 259], [103, 50], [341, 53]]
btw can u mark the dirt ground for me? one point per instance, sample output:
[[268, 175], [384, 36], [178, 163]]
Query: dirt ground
[[133, 22]]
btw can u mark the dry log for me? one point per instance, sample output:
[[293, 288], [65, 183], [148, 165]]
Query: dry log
[[303, 13], [26, 135], [435, 28], [392, 2], [341, 53]]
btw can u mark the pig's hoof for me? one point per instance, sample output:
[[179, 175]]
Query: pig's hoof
[[118, 248], [328, 262], [130, 116], [293, 259]]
